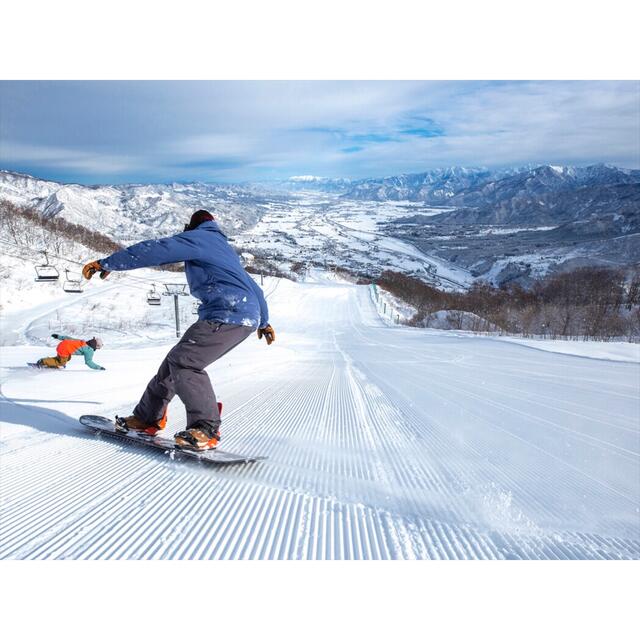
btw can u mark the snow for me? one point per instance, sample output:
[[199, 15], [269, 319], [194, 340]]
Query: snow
[[117, 308], [347, 233], [130, 213], [538, 264], [455, 319], [306, 178], [615, 351], [382, 441], [392, 310], [502, 231], [300, 227]]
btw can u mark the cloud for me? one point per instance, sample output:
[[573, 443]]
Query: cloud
[[165, 131], [85, 163]]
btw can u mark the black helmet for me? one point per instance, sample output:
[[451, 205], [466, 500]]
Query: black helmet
[[197, 219], [95, 343]]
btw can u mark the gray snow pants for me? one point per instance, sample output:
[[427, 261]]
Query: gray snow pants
[[182, 373]]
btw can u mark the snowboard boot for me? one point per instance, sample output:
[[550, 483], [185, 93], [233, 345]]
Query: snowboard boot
[[133, 423], [200, 435], [51, 363]]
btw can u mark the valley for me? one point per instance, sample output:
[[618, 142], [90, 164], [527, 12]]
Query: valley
[[329, 231], [448, 227]]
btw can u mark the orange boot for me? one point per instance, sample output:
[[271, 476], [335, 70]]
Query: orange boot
[[133, 423], [199, 436]]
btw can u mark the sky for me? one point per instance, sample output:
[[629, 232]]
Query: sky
[[114, 132]]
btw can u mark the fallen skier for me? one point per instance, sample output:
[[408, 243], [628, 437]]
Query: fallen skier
[[68, 347]]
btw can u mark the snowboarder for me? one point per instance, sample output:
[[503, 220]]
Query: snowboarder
[[68, 347], [232, 307]]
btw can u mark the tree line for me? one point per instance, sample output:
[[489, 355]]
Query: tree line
[[590, 303], [26, 227]]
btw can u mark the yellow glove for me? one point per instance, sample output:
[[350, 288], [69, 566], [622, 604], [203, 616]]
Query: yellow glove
[[91, 268], [268, 333]]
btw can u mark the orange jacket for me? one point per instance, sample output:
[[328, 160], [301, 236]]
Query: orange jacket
[[68, 347]]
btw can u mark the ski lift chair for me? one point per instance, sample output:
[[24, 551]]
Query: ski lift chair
[[153, 298], [46, 272], [72, 285]]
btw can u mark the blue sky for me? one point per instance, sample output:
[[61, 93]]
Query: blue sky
[[148, 131]]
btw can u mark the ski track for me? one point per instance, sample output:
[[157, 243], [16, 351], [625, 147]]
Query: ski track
[[383, 443]]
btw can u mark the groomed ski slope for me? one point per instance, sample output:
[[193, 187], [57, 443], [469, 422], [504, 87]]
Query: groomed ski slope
[[383, 442]]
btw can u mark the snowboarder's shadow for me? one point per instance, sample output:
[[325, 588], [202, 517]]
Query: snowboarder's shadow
[[13, 411], [36, 401]]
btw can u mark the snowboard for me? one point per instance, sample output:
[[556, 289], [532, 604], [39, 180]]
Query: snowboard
[[106, 426], [35, 365]]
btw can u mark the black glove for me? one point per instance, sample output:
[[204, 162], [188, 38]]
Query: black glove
[[56, 336], [102, 369]]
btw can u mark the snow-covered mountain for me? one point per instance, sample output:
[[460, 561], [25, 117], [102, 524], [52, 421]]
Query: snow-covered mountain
[[556, 207], [435, 187], [548, 216], [542, 181], [308, 183], [133, 212], [472, 187], [531, 195]]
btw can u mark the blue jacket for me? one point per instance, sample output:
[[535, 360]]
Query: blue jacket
[[227, 292]]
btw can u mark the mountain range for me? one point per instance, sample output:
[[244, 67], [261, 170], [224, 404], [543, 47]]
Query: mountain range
[[546, 194], [541, 195], [470, 187], [135, 211], [515, 216], [306, 183]]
